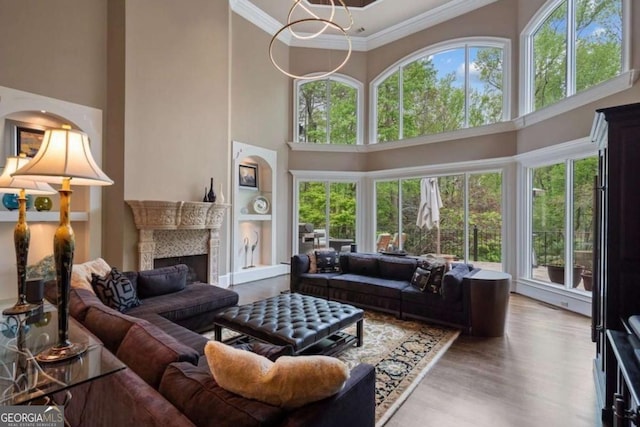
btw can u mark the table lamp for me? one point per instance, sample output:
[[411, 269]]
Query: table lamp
[[21, 233], [64, 157]]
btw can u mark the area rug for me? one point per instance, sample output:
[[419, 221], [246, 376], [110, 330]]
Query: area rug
[[402, 352]]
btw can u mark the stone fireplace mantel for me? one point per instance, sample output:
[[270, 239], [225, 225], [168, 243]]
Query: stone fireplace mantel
[[173, 229]]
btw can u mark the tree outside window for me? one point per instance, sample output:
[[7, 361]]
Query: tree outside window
[[575, 47], [443, 90], [327, 112]]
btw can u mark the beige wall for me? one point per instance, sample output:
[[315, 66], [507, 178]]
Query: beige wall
[[261, 110], [55, 48]]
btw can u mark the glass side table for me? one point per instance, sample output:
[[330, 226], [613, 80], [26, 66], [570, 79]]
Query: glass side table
[[22, 378]]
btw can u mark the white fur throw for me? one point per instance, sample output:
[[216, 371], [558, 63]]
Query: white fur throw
[[289, 382], [81, 273]]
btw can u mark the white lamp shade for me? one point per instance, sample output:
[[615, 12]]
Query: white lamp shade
[[9, 184], [64, 153]]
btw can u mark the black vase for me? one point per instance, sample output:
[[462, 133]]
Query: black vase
[[211, 195], [206, 196]]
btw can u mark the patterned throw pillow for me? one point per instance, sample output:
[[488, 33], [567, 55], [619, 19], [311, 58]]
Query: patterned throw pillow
[[115, 290], [420, 279], [436, 268], [327, 261]]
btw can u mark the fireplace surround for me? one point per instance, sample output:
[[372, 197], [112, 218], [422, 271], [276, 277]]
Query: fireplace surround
[[174, 229]]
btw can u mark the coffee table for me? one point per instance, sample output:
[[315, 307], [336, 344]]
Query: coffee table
[[307, 324]]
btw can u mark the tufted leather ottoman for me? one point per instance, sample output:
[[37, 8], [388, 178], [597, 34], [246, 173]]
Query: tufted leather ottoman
[[295, 320]]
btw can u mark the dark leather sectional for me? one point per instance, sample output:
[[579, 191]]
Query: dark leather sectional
[[383, 283], [168, 382]]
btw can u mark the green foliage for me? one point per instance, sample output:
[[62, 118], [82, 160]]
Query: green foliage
[[598, 40], [327, 105]]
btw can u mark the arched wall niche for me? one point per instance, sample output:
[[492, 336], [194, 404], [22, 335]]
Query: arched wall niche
[[41, 112]]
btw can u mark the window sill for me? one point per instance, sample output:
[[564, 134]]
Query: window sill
[[617, 84]]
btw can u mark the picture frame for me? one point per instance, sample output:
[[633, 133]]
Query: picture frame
[[248, 176], [28, 140]]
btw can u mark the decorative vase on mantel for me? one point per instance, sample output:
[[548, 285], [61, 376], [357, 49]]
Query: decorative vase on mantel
[[211, 195]]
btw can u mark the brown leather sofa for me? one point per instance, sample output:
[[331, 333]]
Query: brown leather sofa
[[167, 380]]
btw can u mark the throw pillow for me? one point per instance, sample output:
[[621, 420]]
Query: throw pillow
[[162, 281], [437, 268], [115, 290], [313, 267], [289, 382], [420, 279], [81, 273], [327, 261]]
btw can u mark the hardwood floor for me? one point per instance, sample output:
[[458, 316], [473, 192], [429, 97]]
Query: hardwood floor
[[539, 374]]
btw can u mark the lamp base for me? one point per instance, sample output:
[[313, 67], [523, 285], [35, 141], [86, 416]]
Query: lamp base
[[59, 354], [20, 308]]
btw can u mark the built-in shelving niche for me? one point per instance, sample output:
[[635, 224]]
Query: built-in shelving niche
[[253, 255]]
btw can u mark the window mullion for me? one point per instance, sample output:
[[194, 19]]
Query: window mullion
[[328, 102], [466, 85], [571, 47], [400, 104]]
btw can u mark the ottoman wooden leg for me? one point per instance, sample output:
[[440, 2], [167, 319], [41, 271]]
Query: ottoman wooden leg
[[360, 332], [217, 332]]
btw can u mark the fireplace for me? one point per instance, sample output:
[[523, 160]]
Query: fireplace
[[198, 266], [174, 232]]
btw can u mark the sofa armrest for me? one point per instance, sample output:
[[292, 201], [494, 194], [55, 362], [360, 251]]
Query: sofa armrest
[[353, 406], [299, 264]]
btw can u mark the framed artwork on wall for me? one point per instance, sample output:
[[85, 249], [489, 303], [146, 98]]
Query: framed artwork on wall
[[248, 176], [28, 140]]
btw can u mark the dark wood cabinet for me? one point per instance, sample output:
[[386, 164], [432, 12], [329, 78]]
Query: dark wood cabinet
[[616, 290]]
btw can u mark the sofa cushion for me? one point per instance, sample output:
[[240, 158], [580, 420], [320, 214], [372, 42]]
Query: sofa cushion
[[115, 290], [313, 265], [289, 382], [162, 281], [109, 325], [81, 273], [327, 261], [397, 268], [186, 336], [452, 282], [193, 307], [363, 264], [369, 285], [195, 393], [148, 351]]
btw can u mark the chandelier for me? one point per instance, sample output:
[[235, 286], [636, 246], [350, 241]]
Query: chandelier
[[325, 25]]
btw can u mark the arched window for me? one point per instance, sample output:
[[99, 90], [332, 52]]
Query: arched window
[[328, 111], [453, 85], [570, 46]]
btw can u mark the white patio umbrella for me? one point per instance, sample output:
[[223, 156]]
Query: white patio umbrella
[[430, 204]]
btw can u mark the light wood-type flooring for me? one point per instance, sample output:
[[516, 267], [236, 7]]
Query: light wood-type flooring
[[538, 375]]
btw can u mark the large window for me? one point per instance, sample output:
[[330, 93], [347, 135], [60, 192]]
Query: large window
[[570, 46], [449, 87], [562, 223], [328, 111], [330, 208], [468, 224]]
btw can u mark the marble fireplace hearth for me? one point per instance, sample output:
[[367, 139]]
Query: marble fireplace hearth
[[168, 229]]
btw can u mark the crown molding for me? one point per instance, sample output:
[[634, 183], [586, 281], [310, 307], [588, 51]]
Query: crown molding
[[443, 13], [423, 21]]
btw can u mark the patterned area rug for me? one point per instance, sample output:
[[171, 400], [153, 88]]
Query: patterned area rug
[[402, 352]]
